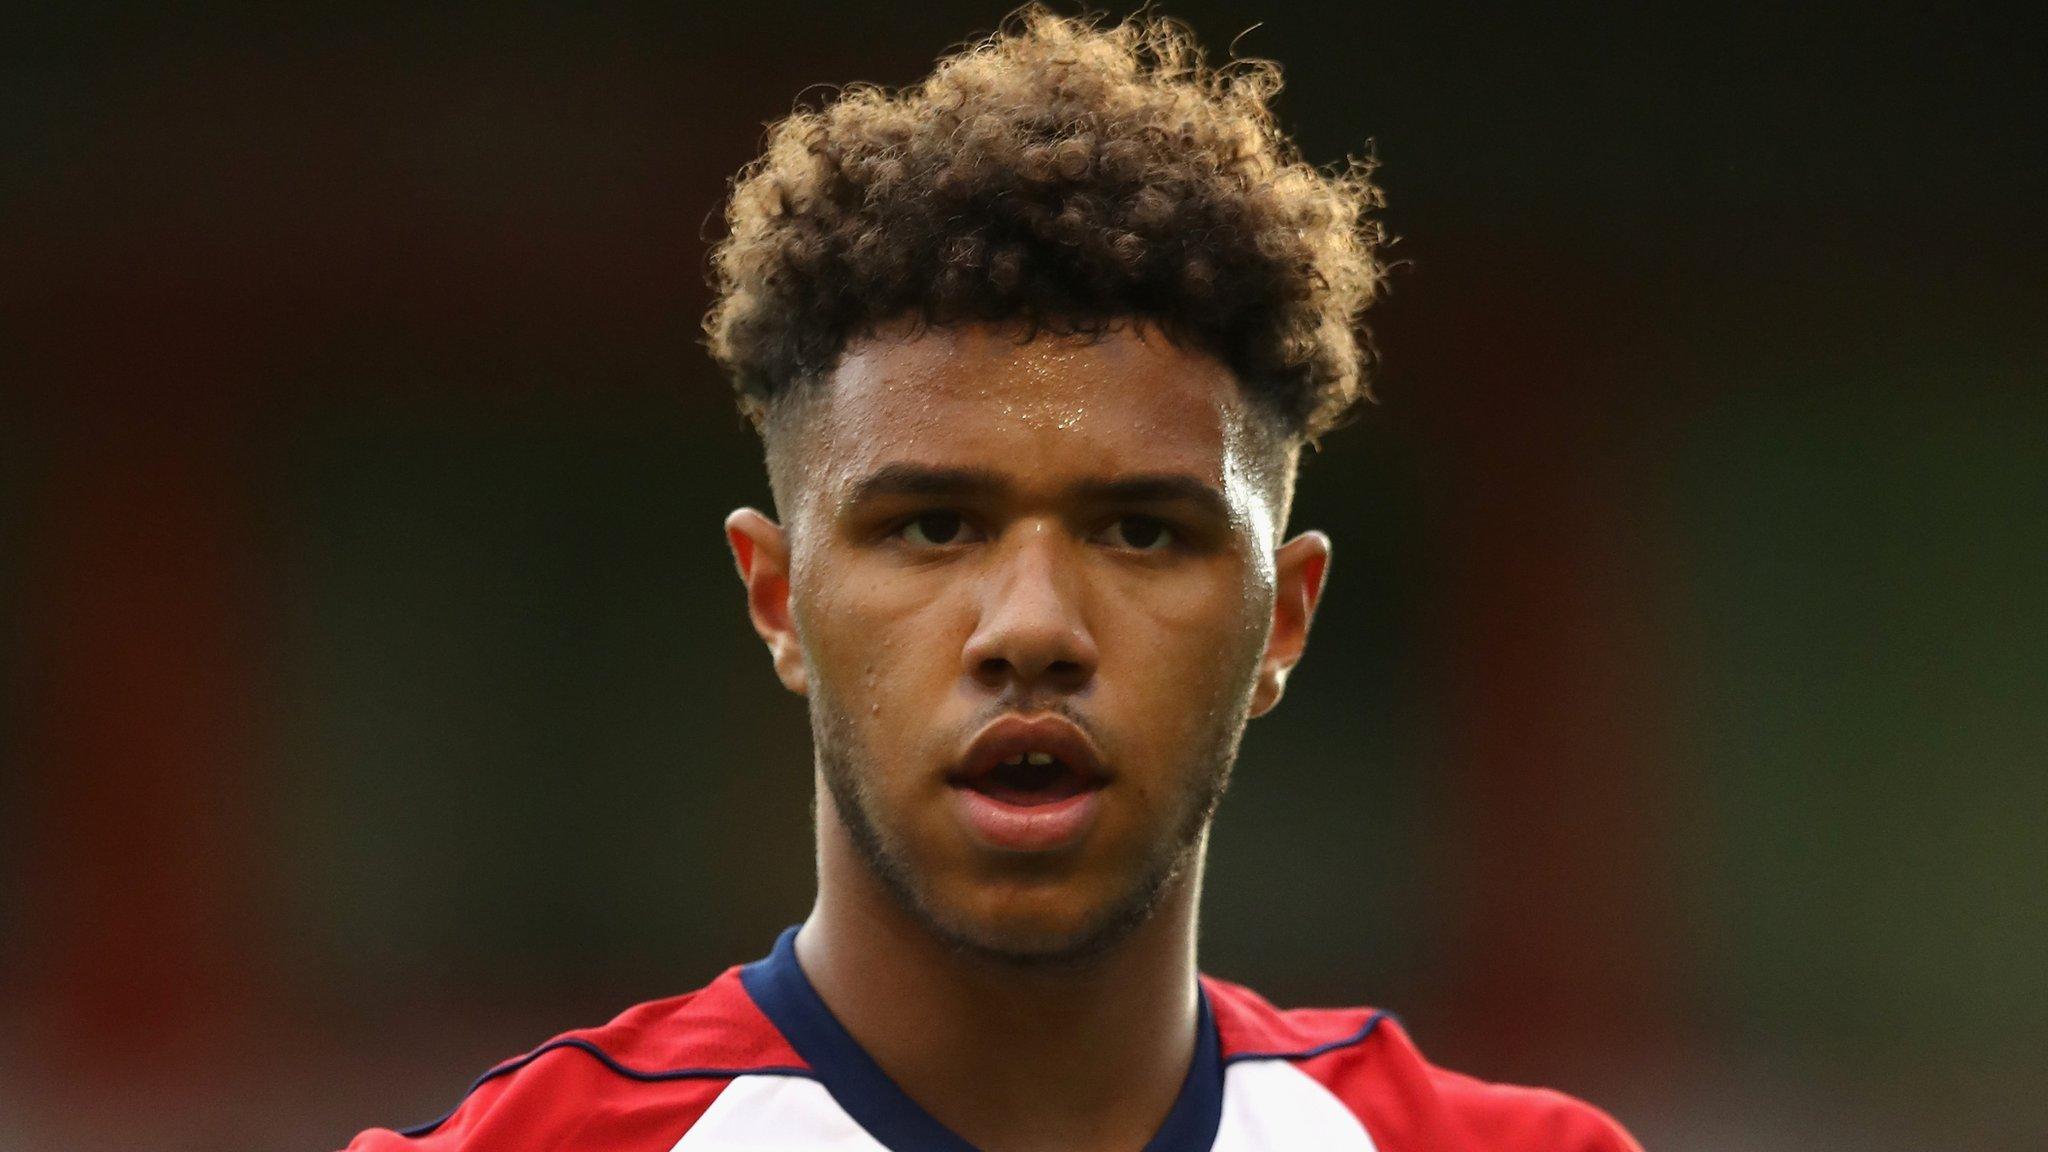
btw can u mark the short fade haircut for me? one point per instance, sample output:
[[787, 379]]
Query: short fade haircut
[[1067, 177]]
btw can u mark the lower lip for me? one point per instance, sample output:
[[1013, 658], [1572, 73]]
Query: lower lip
[[1028, 828]]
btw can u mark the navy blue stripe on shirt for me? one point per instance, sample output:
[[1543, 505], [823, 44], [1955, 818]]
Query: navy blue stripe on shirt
[[604, 1058], [1358, 1037]]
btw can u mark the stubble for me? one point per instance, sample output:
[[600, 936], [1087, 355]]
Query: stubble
[[849, 771]]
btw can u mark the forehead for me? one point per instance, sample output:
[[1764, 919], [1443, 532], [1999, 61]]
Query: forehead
[[1129, 400]]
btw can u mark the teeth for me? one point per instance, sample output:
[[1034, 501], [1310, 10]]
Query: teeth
[[1016, 760], [1040, 759]]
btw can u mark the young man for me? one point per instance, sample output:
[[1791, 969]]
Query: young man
[[1033, 348]]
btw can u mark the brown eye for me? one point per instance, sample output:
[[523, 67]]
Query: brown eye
[[1141, 534], [934, 528]]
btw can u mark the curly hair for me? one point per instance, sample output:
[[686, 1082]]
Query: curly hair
[[1070, 177]]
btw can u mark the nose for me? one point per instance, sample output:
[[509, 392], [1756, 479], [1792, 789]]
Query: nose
[[1032, 633]]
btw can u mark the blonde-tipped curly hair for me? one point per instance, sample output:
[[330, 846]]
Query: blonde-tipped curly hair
[[1070, 177]]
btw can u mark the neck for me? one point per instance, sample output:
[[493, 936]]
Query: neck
[[1077, 1057]]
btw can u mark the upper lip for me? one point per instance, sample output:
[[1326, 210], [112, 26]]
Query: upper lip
[[1016, 735]]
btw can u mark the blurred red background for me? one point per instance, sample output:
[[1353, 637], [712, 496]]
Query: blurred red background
[[377, 701]]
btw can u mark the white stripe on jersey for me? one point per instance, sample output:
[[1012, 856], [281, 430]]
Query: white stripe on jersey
[[1272, 1106], [1268, 1106], [776, 1114]]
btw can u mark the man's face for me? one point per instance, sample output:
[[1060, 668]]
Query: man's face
[[1058, 550]]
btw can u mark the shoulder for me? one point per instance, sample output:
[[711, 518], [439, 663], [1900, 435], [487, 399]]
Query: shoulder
[[634, 1084], [1365, 1060], [1512, 1116]]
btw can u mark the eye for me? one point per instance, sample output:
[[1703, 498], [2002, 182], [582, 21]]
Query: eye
[[1141, 534], [935, 529]]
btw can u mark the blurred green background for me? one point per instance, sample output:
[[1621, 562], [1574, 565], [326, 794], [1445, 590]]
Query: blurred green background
[[376, 699]]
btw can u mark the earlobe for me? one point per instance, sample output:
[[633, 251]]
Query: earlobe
[[760, 549], [1300, 568]]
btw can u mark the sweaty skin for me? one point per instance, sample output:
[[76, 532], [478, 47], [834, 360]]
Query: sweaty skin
[[979, 527]]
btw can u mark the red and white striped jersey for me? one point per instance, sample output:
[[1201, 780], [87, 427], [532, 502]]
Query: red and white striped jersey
[[755, 1061]]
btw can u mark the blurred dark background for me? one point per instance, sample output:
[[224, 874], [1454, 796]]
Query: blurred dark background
[[376, 699]]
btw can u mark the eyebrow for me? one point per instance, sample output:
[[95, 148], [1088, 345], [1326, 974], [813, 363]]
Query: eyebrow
[[919, 480], [1156, 488], [1143, 488]]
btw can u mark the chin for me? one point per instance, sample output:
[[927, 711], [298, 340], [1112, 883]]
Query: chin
[[1031, 945], [1042, 928]]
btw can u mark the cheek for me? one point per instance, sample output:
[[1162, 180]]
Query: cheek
[[873, 641], [1202, 612], [1185, 643]]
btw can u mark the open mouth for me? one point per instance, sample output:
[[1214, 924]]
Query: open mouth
[[1030, 780], [1029, 784]]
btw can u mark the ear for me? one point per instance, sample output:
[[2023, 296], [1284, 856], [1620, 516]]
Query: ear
[[761, 550], [1299, 568]]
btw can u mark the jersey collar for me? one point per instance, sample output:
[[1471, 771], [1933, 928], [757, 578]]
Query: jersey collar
[[778, 985]]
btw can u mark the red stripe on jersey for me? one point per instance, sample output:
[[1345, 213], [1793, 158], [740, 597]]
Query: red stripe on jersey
[[636, 1083], [1407, 1104], [717, 1026], [1248, 1026], [562, 1100]]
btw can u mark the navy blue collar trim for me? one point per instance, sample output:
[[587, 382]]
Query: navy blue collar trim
[[779, 986]]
